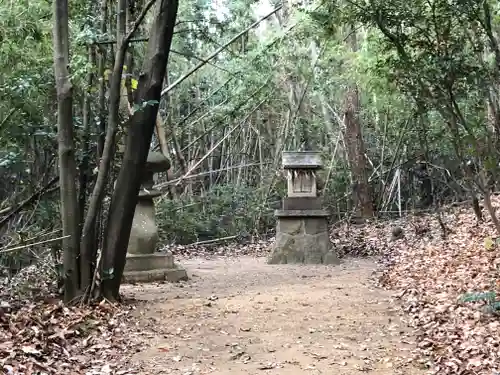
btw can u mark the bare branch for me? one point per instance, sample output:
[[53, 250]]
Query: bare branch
[[4, 121], [48, 188], [192, 56], [174, 182], [32, 244]]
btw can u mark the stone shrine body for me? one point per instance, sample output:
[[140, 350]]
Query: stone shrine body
[[302, 225]]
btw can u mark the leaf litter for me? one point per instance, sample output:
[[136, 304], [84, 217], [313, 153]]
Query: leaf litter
[[40, 335], [46, 337], [428, 275]]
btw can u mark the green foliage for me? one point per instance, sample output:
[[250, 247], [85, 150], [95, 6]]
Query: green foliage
[[492, 305], [226, 210], [409, 56], [40, 220], [337, 193], [26, 93], [477, 297]]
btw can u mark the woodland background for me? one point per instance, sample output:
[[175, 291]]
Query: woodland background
[[401, 99]]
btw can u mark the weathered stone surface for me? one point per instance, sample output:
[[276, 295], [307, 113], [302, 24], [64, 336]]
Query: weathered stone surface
[[315, 225], [287, 249], [171, 275], [290, 225], [315, 248], [301, 160], [300, 213], [157, 162], [145, 262], [302, 203], [331, 258], [299, 246], [144, 232]]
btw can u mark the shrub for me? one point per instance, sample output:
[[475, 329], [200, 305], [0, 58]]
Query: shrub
[[226, 210]]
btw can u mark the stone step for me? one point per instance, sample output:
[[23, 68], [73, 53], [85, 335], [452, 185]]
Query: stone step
[[146, 262], [170, 275]]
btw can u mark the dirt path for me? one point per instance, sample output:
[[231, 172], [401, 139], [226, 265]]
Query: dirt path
[[242, 316]]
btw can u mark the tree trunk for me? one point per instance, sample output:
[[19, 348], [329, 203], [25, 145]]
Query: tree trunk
[[95, 203], [101, 128], [141, 127], [108, 151], [86, 262], [355, 144], [96, 231], [66, 149]]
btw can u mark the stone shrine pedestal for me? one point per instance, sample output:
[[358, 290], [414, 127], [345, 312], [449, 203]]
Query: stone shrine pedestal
[[302, 226], [143, 263], [302, 237]]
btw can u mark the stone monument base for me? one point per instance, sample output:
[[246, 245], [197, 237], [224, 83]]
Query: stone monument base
[[143, 268], [302, 237]]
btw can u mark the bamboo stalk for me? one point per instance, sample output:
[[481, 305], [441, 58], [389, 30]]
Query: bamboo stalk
[[8, 250]]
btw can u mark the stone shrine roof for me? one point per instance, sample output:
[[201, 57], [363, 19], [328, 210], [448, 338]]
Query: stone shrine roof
[[301, 160]]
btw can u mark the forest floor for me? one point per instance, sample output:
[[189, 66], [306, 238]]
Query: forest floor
[[242, 316], [238, 315]]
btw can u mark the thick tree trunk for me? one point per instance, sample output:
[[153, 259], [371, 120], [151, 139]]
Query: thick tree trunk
[[141, 127], [66, 149], [89, 226], [355, 145]]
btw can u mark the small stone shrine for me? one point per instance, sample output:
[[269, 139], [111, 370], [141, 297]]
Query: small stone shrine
[[143, 263], [302, 226]]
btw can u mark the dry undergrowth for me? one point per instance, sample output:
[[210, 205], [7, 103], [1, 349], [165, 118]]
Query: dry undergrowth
[[432, 275]]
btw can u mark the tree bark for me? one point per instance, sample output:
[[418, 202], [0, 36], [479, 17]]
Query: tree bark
[[86, 257], [97, 196], [141, 127], [101, 129], [66, 150], [95, 232], [355, 144]]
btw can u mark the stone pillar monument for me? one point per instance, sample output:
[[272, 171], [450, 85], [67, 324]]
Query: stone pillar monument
[[302, 227], [143, 263]]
